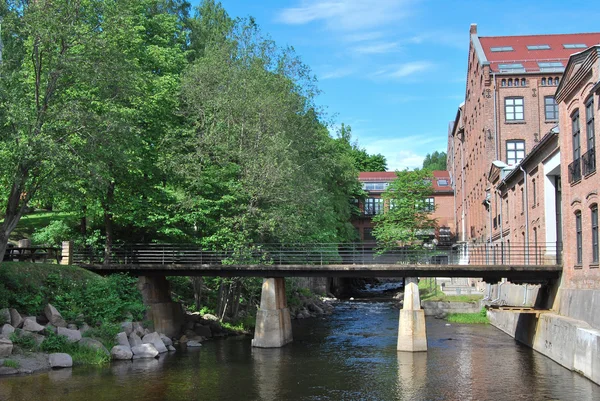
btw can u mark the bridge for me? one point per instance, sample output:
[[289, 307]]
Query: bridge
[[153, 262]]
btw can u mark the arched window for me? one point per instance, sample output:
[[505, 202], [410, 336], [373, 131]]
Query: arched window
[[523, 82], [556, 81], [503, 82], [510, 82], [550, 83], [594, 218], [517, 82], [543, 81]]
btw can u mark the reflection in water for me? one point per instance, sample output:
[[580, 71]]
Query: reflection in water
[[350, 355]]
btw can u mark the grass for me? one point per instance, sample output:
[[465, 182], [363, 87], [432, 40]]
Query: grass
[[429, 291], [36, 220], [467, 318], [37, 274], [10, 363]]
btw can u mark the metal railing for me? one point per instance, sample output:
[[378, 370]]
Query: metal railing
[[589, 162], [325, 254], [575, 171]]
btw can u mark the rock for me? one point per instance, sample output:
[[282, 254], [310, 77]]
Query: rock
[[127, 327], [71, 326], [5, 316], [193, 343], [315, 308], [5, 371], [121, 352], [121, 338], [146, 331], [203, 331], [7, 330], [32, 326], [39, 339], [138, 329], [94, 344], [144, 351], [190, 325], [208, 316], [6, 347], [72, 335], [166, 340], [154, 339], [171, 348], [84, 327], [60, 360], [183, 339], [16, 319], [134, 340]]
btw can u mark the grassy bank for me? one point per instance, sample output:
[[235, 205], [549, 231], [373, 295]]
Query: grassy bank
[[469, 318], [33, 221]]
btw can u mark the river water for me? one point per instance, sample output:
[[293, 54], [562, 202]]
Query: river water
[[350, 355]]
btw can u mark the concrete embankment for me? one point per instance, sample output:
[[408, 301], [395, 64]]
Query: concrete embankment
[[436, 308]]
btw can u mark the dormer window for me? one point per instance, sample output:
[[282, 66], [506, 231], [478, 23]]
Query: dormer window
[[538, 47], [497, 49]]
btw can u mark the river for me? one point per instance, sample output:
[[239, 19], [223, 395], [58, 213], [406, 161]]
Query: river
[[350, 355]]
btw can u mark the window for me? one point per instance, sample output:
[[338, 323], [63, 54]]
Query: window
[[550, 81], [538, 47], [430, 204], [503, 83], [515, 152], [579, 238], [576, 136], [513, 108], [575, 46], [523, 82], [595, 234], [534, 190], [510, 82], [373, 206], [556, 81], [589, 123], [552, 66], [543, 81], [442, 182], [514, 67], [375, 186], [501, 49], [550, 108]]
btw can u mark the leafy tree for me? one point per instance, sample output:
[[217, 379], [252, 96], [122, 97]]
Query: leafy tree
[[362, 160], [407, 213], [435, 161]]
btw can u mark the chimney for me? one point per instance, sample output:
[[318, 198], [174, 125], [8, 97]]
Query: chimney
[[473, 30]]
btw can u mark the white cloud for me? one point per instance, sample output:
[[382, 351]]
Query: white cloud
[[404, 152], [402, 70], [376, 48], [336, 73]]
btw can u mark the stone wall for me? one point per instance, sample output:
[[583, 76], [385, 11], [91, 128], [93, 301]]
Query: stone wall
[[436, 308]]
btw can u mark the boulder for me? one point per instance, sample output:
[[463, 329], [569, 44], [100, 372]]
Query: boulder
[[32, 326], [171, 348], [121, 352], [72, 326], [144, 351], [208, 316], [138, 329], [84, 327], [16, 319], [5, 371], [134, 340], [54, 316], [72, 335], [166, 340], [194, 343], [183, 339], [6, 347], [315, 308], [5, 316], [60, 360], [154, 339], [203, 331], [121, 338], [7, 330], [127, 327], [94, 344]]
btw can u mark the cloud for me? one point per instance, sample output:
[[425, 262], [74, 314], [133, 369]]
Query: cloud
[[402, 70], [346, 15], [336, 73], [404, 152], [376, 48]]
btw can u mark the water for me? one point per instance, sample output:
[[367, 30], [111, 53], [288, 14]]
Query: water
[[350, 355]]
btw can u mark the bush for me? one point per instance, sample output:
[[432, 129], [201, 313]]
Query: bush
[[10, 363], [106, 333], [25, 341], [54, 342], [53, 234]]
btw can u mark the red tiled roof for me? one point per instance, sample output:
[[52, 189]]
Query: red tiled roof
[[529, 58]]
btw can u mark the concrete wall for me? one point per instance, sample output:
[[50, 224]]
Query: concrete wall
[[570, 342], [514, 295], [435, 308], [580, 304]]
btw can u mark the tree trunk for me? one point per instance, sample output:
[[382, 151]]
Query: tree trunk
[[108, 222], [197, 285], [17, 201]]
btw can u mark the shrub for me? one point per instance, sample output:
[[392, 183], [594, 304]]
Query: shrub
[[10, 363], [25, 341], [106, 333], [53, 234], [54, 343]]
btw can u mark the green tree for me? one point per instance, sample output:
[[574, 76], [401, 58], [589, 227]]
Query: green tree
[[363, 161], [435, 161], [407, 214]]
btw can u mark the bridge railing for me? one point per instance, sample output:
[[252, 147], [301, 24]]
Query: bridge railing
[[326, 254]]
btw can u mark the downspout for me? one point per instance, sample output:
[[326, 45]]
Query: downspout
[[526, 215], [495, 117], [499, 292], [501, 225], [464, 199]]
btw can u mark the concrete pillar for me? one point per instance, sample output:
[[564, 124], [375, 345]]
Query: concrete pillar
[[412, 336], [67, 253], [166, 315], [273, 321]]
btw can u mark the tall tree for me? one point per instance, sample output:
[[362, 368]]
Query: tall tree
[[363, 161], [435, 161]]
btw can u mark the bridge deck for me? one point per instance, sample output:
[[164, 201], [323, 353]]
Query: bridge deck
[[523, 273]]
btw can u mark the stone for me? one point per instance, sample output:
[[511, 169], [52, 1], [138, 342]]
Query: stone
[[6, 347], [60, 360], [7, 330], [94, 344], [183, 339], [171, 348], [72, 335], [54, 316], [144, 351], [32, 326], [166, 340], [5, 316], [121, 338], [203, 331], [138, 329], [84, 327], [134, 340], [5, 371], [154, 339], [121, 352], [16, 319], [315, 308], [127, 327], [72, 326], [194, 343], [208, 316]]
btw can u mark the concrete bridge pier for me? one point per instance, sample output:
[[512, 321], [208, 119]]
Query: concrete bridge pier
[[273, 321], [166, 315], [412, 336]]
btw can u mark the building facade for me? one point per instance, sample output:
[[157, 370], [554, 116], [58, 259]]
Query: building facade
[[509, 107]]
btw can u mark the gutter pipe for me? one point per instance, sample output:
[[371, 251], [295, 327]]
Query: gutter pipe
[[499, 292], [495, 117], [526, 205]]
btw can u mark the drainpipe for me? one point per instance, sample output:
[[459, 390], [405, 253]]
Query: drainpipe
[[501, 225], [526, 215], [464, 199], [495, 117], [499, 292], [525, 295], [489, 292]]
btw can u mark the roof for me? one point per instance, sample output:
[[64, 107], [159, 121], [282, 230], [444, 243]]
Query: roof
[[388, 176], [549, 48]]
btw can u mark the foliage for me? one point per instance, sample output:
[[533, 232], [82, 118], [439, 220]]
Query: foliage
[[105, 333], [435, 161], [362, 160], [11, 363], [407, 216], [54, 342], [25, 341], [469, 318], [81, 354], [53, 234]]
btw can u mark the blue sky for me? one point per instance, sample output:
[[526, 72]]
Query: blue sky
[[395, 70]]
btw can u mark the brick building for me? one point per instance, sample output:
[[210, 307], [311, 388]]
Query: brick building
[[441, 202], [509, 107]]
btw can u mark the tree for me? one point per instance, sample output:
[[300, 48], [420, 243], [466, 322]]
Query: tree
[[435, 161], [363, 161], [407, 214]]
